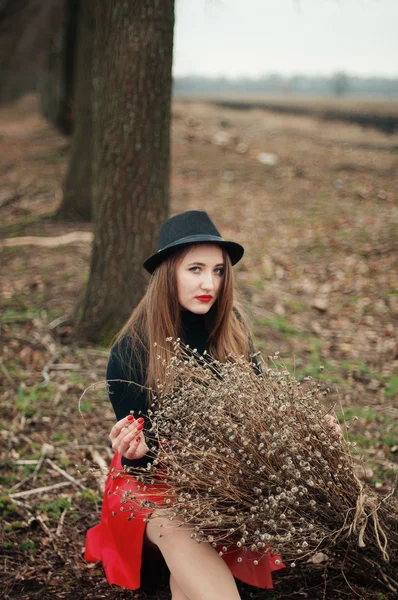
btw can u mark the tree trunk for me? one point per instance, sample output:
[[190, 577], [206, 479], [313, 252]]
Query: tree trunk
[[133, 47], [24, 33], [77, 188], [56, 82]]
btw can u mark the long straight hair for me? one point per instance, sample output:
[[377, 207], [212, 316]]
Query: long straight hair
[[158, 317]]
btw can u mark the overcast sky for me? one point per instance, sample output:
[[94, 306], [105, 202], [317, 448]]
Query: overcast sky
[[254, 37]]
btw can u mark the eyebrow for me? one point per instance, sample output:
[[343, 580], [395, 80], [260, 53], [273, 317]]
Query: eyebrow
[[203, 264]]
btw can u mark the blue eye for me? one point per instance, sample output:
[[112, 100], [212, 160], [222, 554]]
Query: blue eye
[[220, 271], [194, 269]]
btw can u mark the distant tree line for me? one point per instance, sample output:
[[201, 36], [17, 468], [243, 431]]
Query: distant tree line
[[339, 84]]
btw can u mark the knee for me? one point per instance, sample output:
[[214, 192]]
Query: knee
[[163, 532]]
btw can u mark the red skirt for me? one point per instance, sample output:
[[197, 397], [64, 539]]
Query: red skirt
[[118, 539]]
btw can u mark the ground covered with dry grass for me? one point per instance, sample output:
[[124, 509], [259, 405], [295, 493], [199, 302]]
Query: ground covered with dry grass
[[314, 203]]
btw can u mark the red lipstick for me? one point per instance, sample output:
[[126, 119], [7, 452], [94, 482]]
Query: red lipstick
[[204, 298]]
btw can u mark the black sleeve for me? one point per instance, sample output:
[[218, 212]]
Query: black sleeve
[[127, 397]]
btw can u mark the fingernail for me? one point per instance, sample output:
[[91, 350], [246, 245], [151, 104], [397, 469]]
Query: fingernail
[[138, 438], [130, 418], [140, 420], [140, 427]]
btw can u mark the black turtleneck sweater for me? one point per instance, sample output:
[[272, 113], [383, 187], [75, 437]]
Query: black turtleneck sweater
[[128, 398]]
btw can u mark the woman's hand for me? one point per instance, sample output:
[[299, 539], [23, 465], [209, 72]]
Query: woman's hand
[[333, 424], [127, 438]]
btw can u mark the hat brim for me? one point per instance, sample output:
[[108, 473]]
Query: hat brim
[[235, 250]]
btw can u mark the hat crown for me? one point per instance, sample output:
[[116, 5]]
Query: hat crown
[[189, 223]]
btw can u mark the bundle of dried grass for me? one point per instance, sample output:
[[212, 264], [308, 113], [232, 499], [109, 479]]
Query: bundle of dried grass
[[251, 462]]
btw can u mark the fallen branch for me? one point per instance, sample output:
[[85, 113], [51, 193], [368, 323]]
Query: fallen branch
[[65, 367], [60, 320], [6, 373], [39, 490], [104, 468], [61, 522], [45, 449], [48, 242], [22, 509], [58, 469]]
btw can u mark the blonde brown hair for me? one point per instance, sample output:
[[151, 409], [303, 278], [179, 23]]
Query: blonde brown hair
[[158, 317]]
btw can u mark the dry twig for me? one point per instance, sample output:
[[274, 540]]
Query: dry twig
[[46, 488]]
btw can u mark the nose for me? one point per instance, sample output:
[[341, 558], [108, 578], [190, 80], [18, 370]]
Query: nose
[[207, 283]]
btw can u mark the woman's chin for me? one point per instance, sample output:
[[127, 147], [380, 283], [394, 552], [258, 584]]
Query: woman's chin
[[198, 308]]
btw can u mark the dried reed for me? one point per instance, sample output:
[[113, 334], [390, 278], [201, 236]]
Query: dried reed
[[251, 462]]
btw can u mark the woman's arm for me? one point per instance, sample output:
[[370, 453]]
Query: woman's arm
[[128, 398]]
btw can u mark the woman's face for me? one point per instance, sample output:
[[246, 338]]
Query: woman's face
[[199, 276]]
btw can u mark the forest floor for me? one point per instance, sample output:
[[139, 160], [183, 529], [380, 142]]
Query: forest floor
[[314, 204]]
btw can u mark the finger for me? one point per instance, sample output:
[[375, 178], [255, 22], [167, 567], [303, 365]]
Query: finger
[[137, 449], [127, 430], [130, 427], [124, 443], [117, 428], [131, 451], [127, 433]]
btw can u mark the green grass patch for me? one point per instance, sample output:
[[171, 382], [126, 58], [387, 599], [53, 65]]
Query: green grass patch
[[28, 545], [362, 367], [68, 276], [27, 470], [56, 507], [7, 508], [13, 249], [59, 437], [360, 411], [259, 344], [315, 366], [278, 324], [294, 220], [318, 244], [64, 461], [384, 430], [17, 229], [391, 390], [86, 406], [90, 496], [14, 525], [10, 314], [295, 307], [76, 378], [28, 400], [258, 284], [359, 366], [15, 369]]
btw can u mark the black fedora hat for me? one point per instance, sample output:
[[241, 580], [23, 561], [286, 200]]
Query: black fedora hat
[[191, 227]]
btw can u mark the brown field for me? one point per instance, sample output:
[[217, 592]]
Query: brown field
[[314, 203], [381, 114], [369, 105]]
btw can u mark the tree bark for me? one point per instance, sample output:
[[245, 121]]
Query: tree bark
[[77, 189], [24, 33], [56, 82], [133, 47]]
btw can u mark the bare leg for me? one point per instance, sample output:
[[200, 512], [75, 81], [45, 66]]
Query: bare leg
[[176, 592], [199, 572]]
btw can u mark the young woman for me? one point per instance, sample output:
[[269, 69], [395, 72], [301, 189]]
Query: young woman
[[190, 296]]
